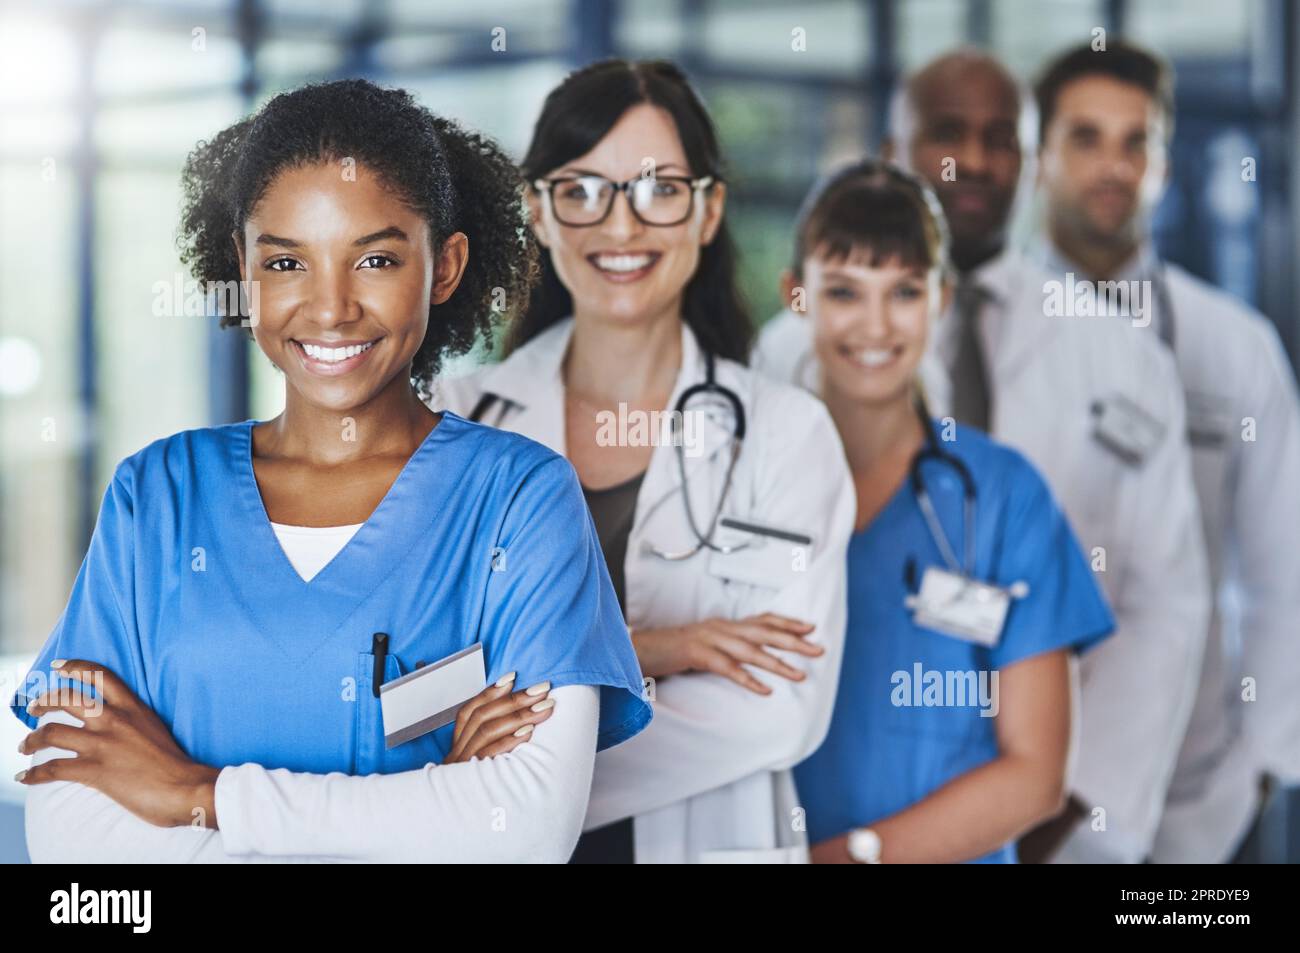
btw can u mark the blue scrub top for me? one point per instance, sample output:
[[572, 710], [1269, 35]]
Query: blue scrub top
[[186, 594], [887, 748]]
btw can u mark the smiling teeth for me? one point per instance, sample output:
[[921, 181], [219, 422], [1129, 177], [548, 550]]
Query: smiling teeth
[[334, 354], [875, 358], [622, 262]]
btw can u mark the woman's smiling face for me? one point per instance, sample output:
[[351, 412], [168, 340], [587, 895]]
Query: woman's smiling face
[[345, 276], [870, 323], [622, 269]]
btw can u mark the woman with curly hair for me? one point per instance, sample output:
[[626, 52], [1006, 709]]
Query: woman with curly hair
[[212, 690]]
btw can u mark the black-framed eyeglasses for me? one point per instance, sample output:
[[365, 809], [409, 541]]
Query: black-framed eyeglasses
[[580, 201]]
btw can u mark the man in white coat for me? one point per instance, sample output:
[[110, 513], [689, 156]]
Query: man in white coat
[[1106, 118], [1096, 406]]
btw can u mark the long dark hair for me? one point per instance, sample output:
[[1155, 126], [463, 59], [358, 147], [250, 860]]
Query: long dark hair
[[578, 114], [457, 179]]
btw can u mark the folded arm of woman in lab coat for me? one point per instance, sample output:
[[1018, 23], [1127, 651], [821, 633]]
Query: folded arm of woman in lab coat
[[707, 730], [526, 805]]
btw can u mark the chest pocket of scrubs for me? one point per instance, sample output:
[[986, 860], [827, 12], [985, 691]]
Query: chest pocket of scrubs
[[1209, 420], [368, 742]]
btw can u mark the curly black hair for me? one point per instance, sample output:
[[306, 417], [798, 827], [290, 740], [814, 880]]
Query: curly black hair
[[457, 179]]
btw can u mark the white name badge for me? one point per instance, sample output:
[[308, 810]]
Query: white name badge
[[1128, 430], [770, 555], [964, 608], [428, 698]]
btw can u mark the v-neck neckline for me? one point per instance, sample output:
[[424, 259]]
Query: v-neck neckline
[[895, 500], [260, 516]]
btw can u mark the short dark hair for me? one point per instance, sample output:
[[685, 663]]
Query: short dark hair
[[457, 179], [578, 114], [874, 207], [1120, 60]]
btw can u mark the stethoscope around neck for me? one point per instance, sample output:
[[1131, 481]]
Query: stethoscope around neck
[[932, 450], [709, 386]]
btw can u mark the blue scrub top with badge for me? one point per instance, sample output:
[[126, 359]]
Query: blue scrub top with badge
[[900, 732], [186, 594]]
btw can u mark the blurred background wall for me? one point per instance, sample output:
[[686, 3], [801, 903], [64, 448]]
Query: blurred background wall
[[100, 102]]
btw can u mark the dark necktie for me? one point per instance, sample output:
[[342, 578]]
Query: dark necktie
[[970, 385]]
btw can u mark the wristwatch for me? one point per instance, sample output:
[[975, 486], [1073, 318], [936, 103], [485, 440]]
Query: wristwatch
[[864, 845]]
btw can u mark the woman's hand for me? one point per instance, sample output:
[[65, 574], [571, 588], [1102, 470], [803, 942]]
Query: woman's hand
[[724, 647], [122, 749], [496, 720]]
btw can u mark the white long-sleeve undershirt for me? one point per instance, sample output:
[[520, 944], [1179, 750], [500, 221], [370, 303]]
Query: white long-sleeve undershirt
[[525, 806]]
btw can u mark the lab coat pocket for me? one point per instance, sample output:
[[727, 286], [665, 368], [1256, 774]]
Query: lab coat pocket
[[1209, 420], [766, 556]]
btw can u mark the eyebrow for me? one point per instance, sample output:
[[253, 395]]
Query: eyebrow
[[392, 231]]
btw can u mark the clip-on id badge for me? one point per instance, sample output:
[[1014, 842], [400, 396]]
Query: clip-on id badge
[[1126, 429], [956, 605], [428, 698]]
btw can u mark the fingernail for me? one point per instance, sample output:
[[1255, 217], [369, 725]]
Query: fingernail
[[526, 729], [505, 680], [543, 705], [22, 774], [58, 663], [541, 688]]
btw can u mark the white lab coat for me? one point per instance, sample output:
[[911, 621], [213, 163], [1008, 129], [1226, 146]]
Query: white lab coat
[[1046, 373], [1243, 428], [708, 780]]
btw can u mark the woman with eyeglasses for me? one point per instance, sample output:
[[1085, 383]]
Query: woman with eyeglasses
[[721, 499]]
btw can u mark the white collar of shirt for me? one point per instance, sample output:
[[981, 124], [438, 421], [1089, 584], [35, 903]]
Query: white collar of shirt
[[1141, 265]]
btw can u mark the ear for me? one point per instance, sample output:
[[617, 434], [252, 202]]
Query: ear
[[536, 215], [946, 292], [788, 286], [453, 256], [715, 200]]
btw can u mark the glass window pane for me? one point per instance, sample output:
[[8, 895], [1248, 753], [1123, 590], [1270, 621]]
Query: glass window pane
[[1191, 27], [927, 28], [161, 135], [130, 60], [818, 39], [152, 354], [41, 424], [1026, 32]]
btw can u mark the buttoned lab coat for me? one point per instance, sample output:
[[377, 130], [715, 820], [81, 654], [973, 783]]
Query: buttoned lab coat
[[1243, 428], [709, 780]]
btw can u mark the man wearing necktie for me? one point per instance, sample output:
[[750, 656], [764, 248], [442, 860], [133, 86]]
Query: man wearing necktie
[[1045, 385]]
